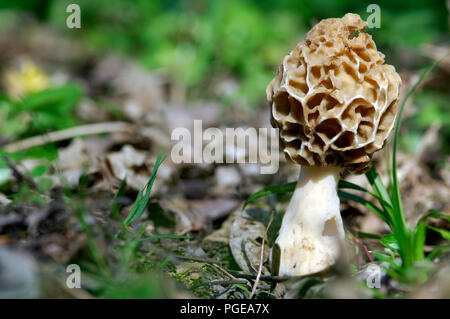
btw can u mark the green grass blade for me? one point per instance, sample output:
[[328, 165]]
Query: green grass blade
[[115, 204], [443, 232], [395, 216], [347, 185], [399, 217], [164, 262], [131, 245], [420, 233], [435, 214], [390, 241], [388, 259], [277, 189], [142, 200], [264, 292], [368, 235], [377, 184], [380, 213], [242, 288], [394, 270], [92, 246], [438, 251]]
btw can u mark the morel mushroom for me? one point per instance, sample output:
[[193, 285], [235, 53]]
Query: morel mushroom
[[335, 103]]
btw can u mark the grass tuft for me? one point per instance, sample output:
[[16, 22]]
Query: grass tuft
[[144, 194]]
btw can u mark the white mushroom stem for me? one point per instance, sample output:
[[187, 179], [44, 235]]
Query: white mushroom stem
[[311, 233]]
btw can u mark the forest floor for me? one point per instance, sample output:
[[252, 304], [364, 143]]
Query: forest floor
[[64, 196]]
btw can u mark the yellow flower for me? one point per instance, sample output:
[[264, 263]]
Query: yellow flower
[[29, 78]]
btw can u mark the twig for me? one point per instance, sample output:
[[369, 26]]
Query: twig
[[261, 259], [17, 174], [240, 273], [263, 278], [221, 282], [199, 259], [236, 273], [368, 253], [89, 129], [218, 267], [358, 241]]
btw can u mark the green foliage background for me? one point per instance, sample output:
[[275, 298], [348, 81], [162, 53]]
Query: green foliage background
[[197, 40], [199, 43]]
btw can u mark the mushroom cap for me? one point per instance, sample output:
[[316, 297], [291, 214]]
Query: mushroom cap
[[333, 99]]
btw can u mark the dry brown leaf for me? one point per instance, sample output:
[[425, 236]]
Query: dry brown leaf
[[246, 236]]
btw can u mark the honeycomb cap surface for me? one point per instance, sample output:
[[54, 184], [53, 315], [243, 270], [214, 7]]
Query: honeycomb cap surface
[[333, 98]]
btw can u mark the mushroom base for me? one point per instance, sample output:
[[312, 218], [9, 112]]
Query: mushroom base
[[312, 232]]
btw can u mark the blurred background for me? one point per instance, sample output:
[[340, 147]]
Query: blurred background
[[221, 51], [151, 66]]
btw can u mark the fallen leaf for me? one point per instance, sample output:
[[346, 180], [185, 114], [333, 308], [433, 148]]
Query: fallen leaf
[[246, 237]]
